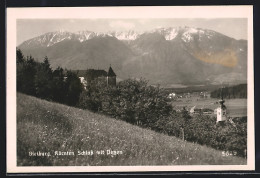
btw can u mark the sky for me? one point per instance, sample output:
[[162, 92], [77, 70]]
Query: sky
[[30, 28]]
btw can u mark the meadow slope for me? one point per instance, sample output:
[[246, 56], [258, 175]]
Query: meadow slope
[[48, 127]]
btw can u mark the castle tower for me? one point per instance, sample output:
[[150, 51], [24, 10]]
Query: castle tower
[[111, 77]]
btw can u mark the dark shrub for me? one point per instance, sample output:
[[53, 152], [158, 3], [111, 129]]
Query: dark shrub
[[131, 100]]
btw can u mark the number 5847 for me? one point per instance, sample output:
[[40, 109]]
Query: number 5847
[[229, 153]]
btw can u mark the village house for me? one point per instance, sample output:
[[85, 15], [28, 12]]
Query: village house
[[171, 96]]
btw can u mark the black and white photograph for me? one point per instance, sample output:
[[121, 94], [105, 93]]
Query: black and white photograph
[[128, 89]]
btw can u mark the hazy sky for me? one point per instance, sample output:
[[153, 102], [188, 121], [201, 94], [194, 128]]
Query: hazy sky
[[29, 28]]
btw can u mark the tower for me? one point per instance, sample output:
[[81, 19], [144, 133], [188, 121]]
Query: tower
[[111, 77], [221, 111]]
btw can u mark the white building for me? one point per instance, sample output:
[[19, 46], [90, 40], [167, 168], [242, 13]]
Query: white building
[[192, 109], [83, 81], [171, 95]]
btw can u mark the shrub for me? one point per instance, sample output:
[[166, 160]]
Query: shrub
[[204, 130], [131, 100]]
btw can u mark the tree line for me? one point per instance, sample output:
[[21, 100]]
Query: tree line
[[237, 91], [133, 101], [38, 79]]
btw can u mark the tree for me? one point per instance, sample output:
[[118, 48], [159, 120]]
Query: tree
[[92, 97], [237, 91], [25, 73], [20, 63], [19, 57], [38, 79], [58, 85], [43, 80], [73, 88]]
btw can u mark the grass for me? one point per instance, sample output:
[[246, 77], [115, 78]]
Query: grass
[[48, 127]]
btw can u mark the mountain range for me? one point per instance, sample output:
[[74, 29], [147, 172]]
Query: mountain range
[[173, 55]]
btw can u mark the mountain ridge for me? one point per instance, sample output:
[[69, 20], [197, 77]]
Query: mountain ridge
[[163, 55], [169, 33]]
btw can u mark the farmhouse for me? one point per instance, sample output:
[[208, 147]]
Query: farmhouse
[[171, 96], [204, 95]]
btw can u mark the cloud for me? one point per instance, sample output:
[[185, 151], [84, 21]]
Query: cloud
[[121, 24]]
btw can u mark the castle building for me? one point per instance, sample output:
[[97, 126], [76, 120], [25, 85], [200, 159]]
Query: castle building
[[111, 77], [94, 75]]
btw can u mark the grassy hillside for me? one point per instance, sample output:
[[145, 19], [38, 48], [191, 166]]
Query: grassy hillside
[[48, 127]]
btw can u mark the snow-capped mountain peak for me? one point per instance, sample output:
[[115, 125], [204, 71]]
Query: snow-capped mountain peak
[[85, 35], [128, 35], [59, 36], [186, 34], [48, 39], [169, 33], [190, 32]]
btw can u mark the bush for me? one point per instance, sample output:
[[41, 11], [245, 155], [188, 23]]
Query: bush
[[131, 100], [204, 130]]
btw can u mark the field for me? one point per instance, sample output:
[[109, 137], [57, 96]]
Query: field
[[235, 107], [60, 132]]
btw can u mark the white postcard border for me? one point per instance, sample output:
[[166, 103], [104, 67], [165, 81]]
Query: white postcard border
[[121, 13]]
